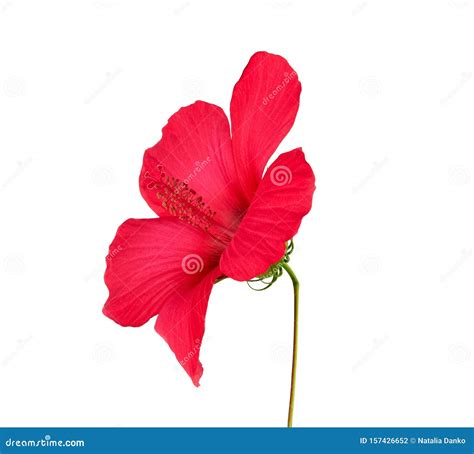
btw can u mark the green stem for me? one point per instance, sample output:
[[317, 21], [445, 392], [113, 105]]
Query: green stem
[[296, 287]]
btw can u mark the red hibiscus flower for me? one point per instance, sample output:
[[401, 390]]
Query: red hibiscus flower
[[218, 216]]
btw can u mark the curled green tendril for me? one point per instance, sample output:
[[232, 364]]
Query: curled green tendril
[[274, 272]]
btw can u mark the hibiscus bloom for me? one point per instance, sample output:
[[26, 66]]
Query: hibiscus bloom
[[218, 216]]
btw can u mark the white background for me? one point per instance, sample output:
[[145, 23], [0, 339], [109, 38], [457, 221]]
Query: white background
[[384, 259]]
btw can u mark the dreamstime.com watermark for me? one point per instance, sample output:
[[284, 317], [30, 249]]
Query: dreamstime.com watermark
[[199, 166], [288, 77], [46, 442], [113, 253], [192, 353]]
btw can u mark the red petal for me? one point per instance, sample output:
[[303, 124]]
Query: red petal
[[263, 109], [181, 323], [274, 216], [189, 173], [149, 261]]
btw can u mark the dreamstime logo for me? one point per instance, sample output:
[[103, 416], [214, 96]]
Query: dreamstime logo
[[459, 353], [281, 176], [459, 176], [102, 177], [102, 354], [371, 264], [192, 264], [369, 87], [14, 87], [45, 442], [193, 87], [13, 264], [281, 353]]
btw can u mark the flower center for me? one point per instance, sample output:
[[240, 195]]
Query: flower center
[[179, 199]]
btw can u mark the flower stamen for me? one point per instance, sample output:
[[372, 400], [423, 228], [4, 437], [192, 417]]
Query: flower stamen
[[179, 199]]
